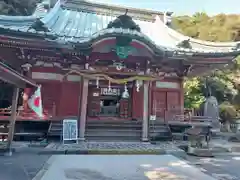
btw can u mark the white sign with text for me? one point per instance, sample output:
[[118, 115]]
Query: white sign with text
[[70, 130]]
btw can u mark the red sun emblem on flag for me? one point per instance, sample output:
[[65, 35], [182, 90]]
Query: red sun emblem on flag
[[36, 102]]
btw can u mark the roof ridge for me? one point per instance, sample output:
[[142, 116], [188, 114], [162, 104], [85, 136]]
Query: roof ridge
[[115, 7], [112, 6]]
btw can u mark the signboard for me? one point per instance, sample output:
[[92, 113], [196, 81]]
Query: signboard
[[153, 118], [110, 92], [70, 130]]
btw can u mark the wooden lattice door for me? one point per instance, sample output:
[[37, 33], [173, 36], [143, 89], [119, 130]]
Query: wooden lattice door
[[159, 104], [173, 104], [69, 105], [51, 93], [93, 105]]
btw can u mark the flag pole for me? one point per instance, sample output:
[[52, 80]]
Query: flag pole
[[12, 120]]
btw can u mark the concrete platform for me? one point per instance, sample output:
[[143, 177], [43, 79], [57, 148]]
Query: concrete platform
[[119, 167]]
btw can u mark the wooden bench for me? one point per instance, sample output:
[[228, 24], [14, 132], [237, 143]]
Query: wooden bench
[[3, 132]]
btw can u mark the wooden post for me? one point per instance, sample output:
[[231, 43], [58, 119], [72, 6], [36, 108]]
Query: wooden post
[[181, 97], [145, 122], [83, 109], [12, 119]]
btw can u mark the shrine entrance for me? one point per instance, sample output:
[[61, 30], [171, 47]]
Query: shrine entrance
[[109, 102]]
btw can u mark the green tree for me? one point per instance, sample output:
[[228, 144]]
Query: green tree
[[18, 7], [225, 85], [193, 94]]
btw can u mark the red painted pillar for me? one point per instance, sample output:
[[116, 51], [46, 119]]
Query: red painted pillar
[[181, 96], [82, 115]]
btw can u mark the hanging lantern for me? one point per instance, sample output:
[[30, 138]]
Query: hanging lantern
[[97, 82], [138, 85], [25, 96], [125, 94], [109, 86], [86, 66]]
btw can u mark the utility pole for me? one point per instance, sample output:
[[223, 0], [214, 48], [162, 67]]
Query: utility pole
[[12, 120]]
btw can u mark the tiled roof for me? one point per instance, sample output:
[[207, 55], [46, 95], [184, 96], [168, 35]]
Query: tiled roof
[[76, 26], [85, 24]]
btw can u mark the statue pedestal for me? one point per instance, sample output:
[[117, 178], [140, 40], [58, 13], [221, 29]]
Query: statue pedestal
[[197, 145], [200, 152]]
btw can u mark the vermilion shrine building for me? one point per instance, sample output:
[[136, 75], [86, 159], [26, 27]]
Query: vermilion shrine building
[[98, 62]]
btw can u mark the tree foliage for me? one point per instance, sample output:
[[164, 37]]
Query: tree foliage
[[18, 7], [217, 28], [225, 84], [13, 8]]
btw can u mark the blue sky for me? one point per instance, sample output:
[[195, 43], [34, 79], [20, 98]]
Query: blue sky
[[182, 7]]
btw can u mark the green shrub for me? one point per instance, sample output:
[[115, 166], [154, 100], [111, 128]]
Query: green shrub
[[227, 112]]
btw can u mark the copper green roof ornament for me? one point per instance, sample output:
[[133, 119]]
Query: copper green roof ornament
[[125, 22], [123, 51], [185, 44]]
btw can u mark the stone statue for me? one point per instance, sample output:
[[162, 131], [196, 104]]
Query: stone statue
[[211, 110], [210, 106]]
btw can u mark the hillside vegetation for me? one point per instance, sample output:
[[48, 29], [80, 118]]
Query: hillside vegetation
[[225, 85]]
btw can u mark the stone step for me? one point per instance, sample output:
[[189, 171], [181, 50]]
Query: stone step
[[114, 139], [113, 122], [110, 134], [114, 125], [57, 124], [54, 134], [113, 130]]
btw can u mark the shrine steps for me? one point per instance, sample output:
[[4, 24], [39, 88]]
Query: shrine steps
[[55, 129], [115, 131], [159, 131], [126, 130]]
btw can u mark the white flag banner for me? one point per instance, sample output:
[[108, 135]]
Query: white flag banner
[[35, 102]]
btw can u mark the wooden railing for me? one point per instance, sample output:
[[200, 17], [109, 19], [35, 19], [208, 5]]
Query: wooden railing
[[5, 112], [187, 116], [28, 114]]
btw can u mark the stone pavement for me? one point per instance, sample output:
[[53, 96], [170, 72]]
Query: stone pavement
[[223, 167], [228, 146], [163, 147], [21, 166], [119, 167], [166, 147]]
